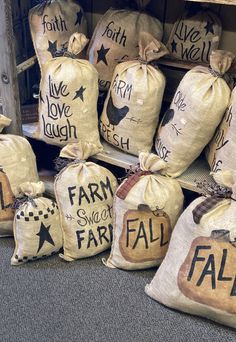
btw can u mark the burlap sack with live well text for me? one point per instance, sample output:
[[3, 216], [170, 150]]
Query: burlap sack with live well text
[[194, 114], [116, 36], [52, 22], [146, 208], [37, 228], [68, 98], [17, 165], [131, 112], [84, 193], [197, 275]]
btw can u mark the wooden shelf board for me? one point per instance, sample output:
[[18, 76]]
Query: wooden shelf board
[[223, 2]]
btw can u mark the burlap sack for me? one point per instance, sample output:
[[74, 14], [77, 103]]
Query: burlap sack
[[194, 36], [68, 98], [37, 228], [146, 208], [196, 110], [52, 23], [197, 275], [17, 165], [116, 36], [84, 193], [132, 107]]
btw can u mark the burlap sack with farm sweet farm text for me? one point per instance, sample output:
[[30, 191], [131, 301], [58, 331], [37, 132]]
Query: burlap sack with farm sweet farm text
[[116, 36], [196, 110], [37, 228], [68, 98], [198, 274], [146, 208], [84, 193], [52, 23], [131, 111]]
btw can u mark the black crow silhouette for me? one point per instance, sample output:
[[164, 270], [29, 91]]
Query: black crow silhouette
[[114, 114], [168, 116]]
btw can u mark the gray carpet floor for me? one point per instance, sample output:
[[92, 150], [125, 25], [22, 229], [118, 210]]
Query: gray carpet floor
[[51, 300]]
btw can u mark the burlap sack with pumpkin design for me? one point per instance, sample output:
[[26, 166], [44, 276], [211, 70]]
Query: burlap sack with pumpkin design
[[116, 36], [68, 98], [84, 193], [195, 35], [146, 208], [197, 275], [17, 165], [37, 228], [132, 107], [195, 111], [52, 23]]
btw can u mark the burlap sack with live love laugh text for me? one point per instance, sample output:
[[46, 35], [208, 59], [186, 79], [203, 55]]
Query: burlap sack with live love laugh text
[[131, 111], [116, 36], [84, 193], [68, 98], [197, 275], [37, 228], [195, 111], [146, 208], [52, 23]]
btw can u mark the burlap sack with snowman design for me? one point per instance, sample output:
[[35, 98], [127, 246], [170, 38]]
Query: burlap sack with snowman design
[[37, 228], [195, 111], [116, 36], [68, 98], [52, 23], [131, 112], [146, 208], [84, 193], [197, 275]]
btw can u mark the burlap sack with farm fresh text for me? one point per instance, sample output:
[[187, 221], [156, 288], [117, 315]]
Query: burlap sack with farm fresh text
[[197, 275], [68, 98], [131, 111], [194, 36], [84, 193], [52, 23], [146, 208], [37, 228], [116, 36], [196, 110]]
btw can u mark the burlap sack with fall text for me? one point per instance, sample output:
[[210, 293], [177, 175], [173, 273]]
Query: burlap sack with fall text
[[84, 193], [195, 111], [37, 228], [116, 36], [132, 107], [146, 208], [197, 275], [52, 23], [68, 98]]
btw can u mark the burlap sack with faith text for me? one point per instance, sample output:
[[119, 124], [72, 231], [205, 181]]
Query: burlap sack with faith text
[[52, 23], [198, 274], [84, 193], [195, 111], [116, 36], [68, 98], [131, 111], [37, 228], [146, 208]]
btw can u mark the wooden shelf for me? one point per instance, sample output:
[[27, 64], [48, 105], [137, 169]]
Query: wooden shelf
[[223, 2]]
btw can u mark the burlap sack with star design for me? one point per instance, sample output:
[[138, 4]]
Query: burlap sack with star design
[[37, 228], [68, 98], [197, 275], [194, 36], [52, 23]]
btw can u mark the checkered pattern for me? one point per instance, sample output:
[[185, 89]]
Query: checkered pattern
[[21, 260], [37, 215], [204, 207], [125, 188]]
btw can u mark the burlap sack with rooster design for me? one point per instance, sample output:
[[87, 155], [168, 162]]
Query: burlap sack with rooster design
[[84, 193], [197, 275], [195, 111], [131, 111]]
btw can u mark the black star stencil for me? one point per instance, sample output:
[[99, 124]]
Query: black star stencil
[[79, 17], [209, 27], [40, 97], [44, 235], [174, 46], [52, 47], [80, 93], [102, 55]]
